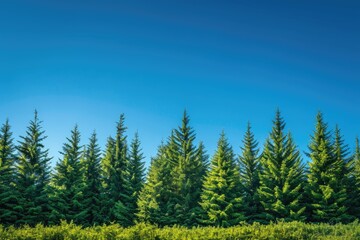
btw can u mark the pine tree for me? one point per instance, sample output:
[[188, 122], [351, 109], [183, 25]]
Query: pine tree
[[156, 199], [249, 174], [282, 176], [188, 174], [8, 193], [341, 154], [107, 164], [221, 198], [33, 175], [136, 174], [93, 182], [117, 174], [203, 159], [354, 182], [326, 191], [67, 184]]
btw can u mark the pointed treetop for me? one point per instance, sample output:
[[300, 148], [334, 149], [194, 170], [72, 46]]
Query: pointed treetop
[[249, 138], [279, 123], [185, 122], [5, 127], [121, 128], [223, 141], [36, 115], [321, 125], [338, 137]]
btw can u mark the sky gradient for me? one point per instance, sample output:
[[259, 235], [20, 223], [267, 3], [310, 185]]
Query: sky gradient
[[225, 62]]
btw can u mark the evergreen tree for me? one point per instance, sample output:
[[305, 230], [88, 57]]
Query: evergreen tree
[[107, 164], [156, 199], [67, 184], [118, 186], [221, 197], [136, 174], [249, 175], [341, 154], [326, 191], [354, 182], [203, 159], [188, 174], [8, 194], [282, 176], [93, 182], [33, 175]]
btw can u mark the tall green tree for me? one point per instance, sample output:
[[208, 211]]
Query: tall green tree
[[117, 178], [107, 163], [188, 174], [221, 198], [156, 199], [282, 176], [136, 174], [354, 182], [345, 164], [67, 184], [33, 175], [9, 205], [93, 182], [249, 174], [326, 190]]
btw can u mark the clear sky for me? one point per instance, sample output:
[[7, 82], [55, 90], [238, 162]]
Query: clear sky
[[226, 62]]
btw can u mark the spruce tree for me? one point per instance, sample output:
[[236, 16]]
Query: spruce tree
[[282, 176], [354, 182], [326, 190], [67, 183], [33, 175], [221, 198], [136, 174], [93, 182], [9, 205], [249, 175], [156, 199], [107, 164], [117, 178], [341, 151], [188, 174], [203, 159]]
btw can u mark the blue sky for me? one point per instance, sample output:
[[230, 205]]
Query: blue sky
[[226, 62]]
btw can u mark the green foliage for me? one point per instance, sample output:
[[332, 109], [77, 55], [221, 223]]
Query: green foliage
[[221, 198], [107, 164], [67, 197], [117, 193], [33, 176], [181, 187], [354, 182], [282, 176], [171, 193], [188, 174], [249, 175], [327, 193], [136, 175], [345, 164], [281, 230], [8, 193], [156, 200], [92, 203]]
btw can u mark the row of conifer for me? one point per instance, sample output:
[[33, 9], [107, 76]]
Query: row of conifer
[[182, 186]]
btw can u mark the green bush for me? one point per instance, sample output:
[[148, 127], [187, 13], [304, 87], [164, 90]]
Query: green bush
[[281, 230]]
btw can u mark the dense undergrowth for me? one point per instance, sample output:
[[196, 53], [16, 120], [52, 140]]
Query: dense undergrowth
[[282, 230]]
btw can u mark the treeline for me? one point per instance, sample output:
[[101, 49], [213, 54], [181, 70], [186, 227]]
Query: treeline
[[182, 186]]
